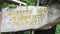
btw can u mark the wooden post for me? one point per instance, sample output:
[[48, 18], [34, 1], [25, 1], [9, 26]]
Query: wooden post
[[32, 32]]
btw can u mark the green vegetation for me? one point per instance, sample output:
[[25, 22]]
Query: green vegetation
[[29, 3]]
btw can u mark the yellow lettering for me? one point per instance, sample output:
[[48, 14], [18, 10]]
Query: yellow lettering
[[39, 10], [14, 19], [19, 13], [32, 23], [33, 17], [46, 9], [18, 24], [27, 11], [24, 18], [40, 16], [12, 13]]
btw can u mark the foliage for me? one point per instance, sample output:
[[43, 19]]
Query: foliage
[[29, 2], [8, 5]]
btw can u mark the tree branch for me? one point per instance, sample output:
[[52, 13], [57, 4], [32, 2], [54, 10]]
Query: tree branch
[[37, 2]]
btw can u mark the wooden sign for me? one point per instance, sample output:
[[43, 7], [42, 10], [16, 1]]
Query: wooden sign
[[24, 18]]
